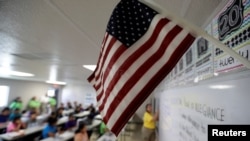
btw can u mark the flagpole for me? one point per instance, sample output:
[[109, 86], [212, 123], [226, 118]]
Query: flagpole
[[196, 31]]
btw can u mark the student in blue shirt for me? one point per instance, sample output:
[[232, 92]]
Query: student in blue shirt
[[50, 129], [14, 114], [4, 116]]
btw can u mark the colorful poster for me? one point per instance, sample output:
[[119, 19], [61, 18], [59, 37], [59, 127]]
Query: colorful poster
[[232, 27], [204, 57], [189, 61]]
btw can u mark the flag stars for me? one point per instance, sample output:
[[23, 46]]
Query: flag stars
[[130, 21]]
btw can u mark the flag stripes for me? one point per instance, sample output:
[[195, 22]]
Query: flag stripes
[[120, 79]]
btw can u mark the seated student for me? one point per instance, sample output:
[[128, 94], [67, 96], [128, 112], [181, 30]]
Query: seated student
[[62, 106], [53, 114], [103, 129], [78, 110], [32, 120], [15, 125], [4, 116], [91, 116], [50, 129], [15, 113], [69, 106], [59, 113], [81, 133], [71, 123]]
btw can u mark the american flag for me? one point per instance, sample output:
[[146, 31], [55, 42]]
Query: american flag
[[139, 49]]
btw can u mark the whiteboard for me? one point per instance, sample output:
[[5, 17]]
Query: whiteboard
[[186, 112]]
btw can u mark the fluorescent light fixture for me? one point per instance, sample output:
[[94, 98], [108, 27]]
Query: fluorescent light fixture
[[56, 82], [90, 67], [221, 86], [216, 74], [5, 71]]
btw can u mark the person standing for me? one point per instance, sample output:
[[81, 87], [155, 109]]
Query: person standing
[[16, 104], [34, 104], [52, 102], [149, 124]]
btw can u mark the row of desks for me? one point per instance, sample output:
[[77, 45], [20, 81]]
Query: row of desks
[[70, 134], [15, 135]]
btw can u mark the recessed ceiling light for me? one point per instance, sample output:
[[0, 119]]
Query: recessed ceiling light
[[56, 82], [221, 86], [4, 71], [90, 67]]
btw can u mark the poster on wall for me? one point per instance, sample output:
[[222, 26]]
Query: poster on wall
[[204, 57], [189, 62], [232, 27]]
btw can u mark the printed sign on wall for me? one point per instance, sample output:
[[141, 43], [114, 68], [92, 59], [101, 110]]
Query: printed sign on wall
[[232, 27]]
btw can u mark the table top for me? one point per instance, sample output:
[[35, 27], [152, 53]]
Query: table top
[[15, 135], [67, 112], [94, 124], [107, 136], [98, 117], [82, 114]]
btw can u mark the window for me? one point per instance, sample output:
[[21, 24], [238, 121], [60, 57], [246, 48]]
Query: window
[[4, 94]]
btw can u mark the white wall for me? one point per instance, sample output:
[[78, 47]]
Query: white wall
[[24, 89], [82, 93]]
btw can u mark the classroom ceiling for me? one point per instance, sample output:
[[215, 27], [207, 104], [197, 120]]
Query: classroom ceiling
[[54, 38]]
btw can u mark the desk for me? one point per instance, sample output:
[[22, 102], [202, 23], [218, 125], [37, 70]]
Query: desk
[[82, 114], [29, 131], [107, 137], [68, 112], [16, 135], [62, 120], [68, 135], [98, 117], [42, 117], [94, 124]]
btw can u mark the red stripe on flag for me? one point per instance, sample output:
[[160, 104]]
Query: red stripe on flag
[[111, 43], [128, 62], [112, 61], [151, 85], [142, 70], [92, 76]]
